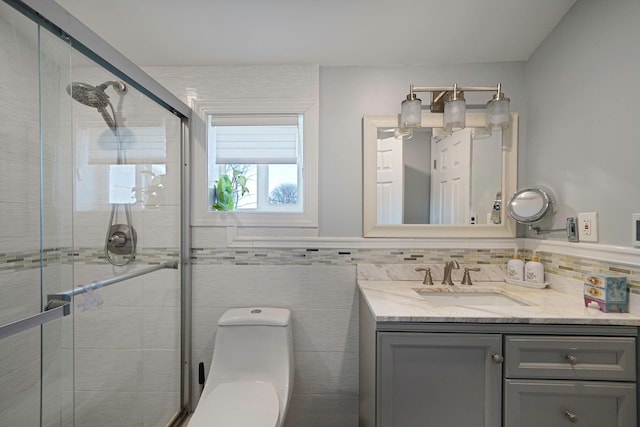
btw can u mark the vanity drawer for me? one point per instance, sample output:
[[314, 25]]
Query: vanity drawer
[[573, 357], [554, 403]]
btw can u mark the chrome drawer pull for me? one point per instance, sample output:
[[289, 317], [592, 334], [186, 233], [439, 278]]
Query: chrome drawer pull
[[571, 416], [497, 358], [571, 359]]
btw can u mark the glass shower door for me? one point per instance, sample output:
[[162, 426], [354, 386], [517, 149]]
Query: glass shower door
[[36, 360], [56, 228]]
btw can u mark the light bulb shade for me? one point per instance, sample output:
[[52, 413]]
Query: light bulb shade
[[498, 114], [454, 112], [411, 113]]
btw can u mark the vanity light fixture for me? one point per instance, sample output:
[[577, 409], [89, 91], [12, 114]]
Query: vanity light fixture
[[454, 111], [450, 101], [411, 114], [498, 111]]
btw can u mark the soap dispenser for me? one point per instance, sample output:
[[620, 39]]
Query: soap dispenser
[[534, 270], [515, 267]]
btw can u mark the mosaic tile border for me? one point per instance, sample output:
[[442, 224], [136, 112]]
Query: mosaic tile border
[[576, 267], [563, 265], [342, 257], [22, 261]]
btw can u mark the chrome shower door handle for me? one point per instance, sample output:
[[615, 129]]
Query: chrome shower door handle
[[58, 306]]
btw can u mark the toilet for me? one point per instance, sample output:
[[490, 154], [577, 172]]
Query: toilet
[[251, 375]]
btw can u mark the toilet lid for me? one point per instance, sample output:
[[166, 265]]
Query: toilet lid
[[238, 404]]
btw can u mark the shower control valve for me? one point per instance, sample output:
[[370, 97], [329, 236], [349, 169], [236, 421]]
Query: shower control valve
[[118, 239]]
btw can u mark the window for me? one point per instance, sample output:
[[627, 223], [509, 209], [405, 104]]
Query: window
[[270, 147], [255, 162]]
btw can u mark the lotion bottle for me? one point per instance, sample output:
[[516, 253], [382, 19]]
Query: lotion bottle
[[534, 270], [515, 267]]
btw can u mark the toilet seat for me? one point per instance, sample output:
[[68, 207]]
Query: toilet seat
[[238, 404]]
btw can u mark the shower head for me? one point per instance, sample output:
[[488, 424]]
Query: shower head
[[94, 96], [88, 95]]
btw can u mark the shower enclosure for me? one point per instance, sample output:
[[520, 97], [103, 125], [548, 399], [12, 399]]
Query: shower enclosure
[[94, 274]]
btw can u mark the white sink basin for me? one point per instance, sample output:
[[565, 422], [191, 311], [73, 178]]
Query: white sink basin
[[468, 297]]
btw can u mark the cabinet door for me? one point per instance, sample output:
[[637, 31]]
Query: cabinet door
[[535, 403], [443, 380]]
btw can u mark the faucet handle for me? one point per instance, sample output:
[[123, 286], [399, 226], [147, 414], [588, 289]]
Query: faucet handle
[[466, 279], [428, 280]]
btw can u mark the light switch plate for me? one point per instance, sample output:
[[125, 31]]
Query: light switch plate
[[588, 226], [635, 229]]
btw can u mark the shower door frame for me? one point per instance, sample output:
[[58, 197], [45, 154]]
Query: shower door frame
[[66, 26]]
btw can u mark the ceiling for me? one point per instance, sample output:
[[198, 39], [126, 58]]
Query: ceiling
[[325, 32]]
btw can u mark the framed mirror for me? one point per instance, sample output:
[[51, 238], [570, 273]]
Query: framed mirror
[[432, 184], [529, 205]]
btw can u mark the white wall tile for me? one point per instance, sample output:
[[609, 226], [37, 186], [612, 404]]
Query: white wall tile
[[108, 409], [204, 324], [161, 370], [158, 407], [20, 390], [322, 410], [159, 228], [325, 330], [19, 224], [161, 328], [108, 370], [20, 295], [161, 289], [108, 327], [19, 350], [274, 286], [318, 372]]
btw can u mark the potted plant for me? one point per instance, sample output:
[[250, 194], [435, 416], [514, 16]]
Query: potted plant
[[228, 189]]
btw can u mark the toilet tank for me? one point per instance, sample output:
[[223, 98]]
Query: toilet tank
[[254, 344]]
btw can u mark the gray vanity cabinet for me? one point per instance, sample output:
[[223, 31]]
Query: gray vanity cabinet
[[439, 379], [424, 374]]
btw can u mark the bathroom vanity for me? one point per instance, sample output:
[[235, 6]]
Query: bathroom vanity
[[543, 360]]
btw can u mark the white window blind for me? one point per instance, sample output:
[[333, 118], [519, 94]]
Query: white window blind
[[256, 139]]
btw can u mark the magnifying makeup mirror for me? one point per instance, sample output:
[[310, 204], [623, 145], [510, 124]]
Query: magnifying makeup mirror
[[532, 206], [529, 205]]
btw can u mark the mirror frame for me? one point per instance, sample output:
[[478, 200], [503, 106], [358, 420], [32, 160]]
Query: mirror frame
[[370, 227]]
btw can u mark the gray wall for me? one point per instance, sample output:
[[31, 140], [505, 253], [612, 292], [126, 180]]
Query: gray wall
[[583, 100]]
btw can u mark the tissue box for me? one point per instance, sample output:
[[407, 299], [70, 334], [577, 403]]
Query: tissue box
[[608, 291]]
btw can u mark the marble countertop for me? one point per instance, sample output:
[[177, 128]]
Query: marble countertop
[[397, 301]]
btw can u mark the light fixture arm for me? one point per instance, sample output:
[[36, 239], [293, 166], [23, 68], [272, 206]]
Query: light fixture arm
[[496, 88]]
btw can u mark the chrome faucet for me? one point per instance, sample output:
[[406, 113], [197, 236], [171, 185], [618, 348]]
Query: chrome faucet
[[449, 265]]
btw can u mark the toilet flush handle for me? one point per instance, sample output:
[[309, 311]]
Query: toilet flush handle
[[201, 376]]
